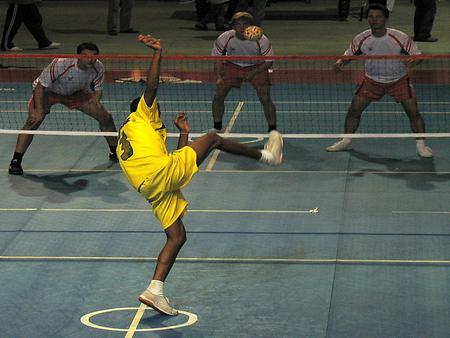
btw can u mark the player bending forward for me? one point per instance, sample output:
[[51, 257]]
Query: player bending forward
[[159, 175], [67, 81], [382, 76]]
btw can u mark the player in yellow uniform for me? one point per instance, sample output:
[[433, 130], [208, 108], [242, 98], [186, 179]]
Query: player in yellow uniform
[[159, 175]]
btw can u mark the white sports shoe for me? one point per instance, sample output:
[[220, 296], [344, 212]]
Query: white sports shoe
[[423, 150], [15, 49], [214, 131], [159, 303], [340, 145], [275, 146], [53, 45]]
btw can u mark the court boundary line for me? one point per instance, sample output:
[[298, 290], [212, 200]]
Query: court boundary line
[[324, 261], [253, 171], [136, 320], [420, 212], [248, 101], [297, 136], [215, 154], [206, 211]]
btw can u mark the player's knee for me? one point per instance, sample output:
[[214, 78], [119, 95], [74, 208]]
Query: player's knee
[[215, 140], [179, 239]]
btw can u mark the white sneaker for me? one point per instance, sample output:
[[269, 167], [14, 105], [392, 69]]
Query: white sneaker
[[424, 151], [159, 303], [341, 145], [275, 146], [214, 131], [53, 45], [15, 49]]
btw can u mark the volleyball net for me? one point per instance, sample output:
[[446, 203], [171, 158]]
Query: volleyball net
[[310, 96]]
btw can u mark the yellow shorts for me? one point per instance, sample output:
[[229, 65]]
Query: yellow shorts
[[162, 188]]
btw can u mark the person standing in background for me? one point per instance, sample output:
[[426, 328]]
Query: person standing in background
[[27, 12], [423, 20], [119, 15], [382, 77], [231, 74], [258, 9], [75, 83]]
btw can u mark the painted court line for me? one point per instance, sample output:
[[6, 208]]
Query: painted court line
[[338, 261], [86, 319], [230, 126], [25, 102], [310, 211], [256, 171], [420, 212], [134, 324]]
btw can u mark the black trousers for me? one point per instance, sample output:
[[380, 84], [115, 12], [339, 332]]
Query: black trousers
[[30, 16], [424, 18]]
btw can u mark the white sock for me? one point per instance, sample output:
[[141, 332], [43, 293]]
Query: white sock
[[347, 140], [420, 143], [156, 287], [266, 156]]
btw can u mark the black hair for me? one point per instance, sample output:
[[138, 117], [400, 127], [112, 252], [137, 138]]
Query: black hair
[[378, 7], [134, 104], [89, 46]]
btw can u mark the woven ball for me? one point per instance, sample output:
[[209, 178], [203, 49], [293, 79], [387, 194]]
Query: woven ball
[[253, 33]]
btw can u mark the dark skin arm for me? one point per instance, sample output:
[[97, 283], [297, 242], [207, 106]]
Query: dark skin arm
[[154, 70], [153, 83], [183, 126]]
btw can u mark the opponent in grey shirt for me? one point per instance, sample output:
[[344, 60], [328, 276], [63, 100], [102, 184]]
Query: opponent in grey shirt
[[75, 83], [231, 74], [382, 77]]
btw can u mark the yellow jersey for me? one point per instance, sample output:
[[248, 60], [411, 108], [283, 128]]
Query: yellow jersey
[[151, 170], [142, 143]]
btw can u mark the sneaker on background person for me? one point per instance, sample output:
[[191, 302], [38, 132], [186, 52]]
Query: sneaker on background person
[[52, 45], [342, 145]]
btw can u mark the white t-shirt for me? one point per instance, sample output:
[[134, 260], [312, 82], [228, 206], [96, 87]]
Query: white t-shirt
[[394, 42], [228, 44], [63, 77]]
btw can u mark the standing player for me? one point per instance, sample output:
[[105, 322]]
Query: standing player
[[67, 81], [159, 175], [231, 74], [382, 76]]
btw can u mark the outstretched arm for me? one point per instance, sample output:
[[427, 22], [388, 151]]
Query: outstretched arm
[[153, 71]]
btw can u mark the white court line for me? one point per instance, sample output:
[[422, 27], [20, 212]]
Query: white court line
[[255, 102], [232, 260], [279, 112], [228, 128], [134, 324], [310, 211], [235, 135], [257, 171], [420, 212]]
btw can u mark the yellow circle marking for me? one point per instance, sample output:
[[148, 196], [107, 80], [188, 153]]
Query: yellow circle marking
[[86, 320]]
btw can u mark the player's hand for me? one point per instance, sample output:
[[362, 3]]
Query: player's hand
[[181, 122], [150, 41], [339, 65], [76, 99]]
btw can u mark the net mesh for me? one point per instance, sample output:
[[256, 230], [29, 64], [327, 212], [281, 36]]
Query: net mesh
[[311, 98]]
